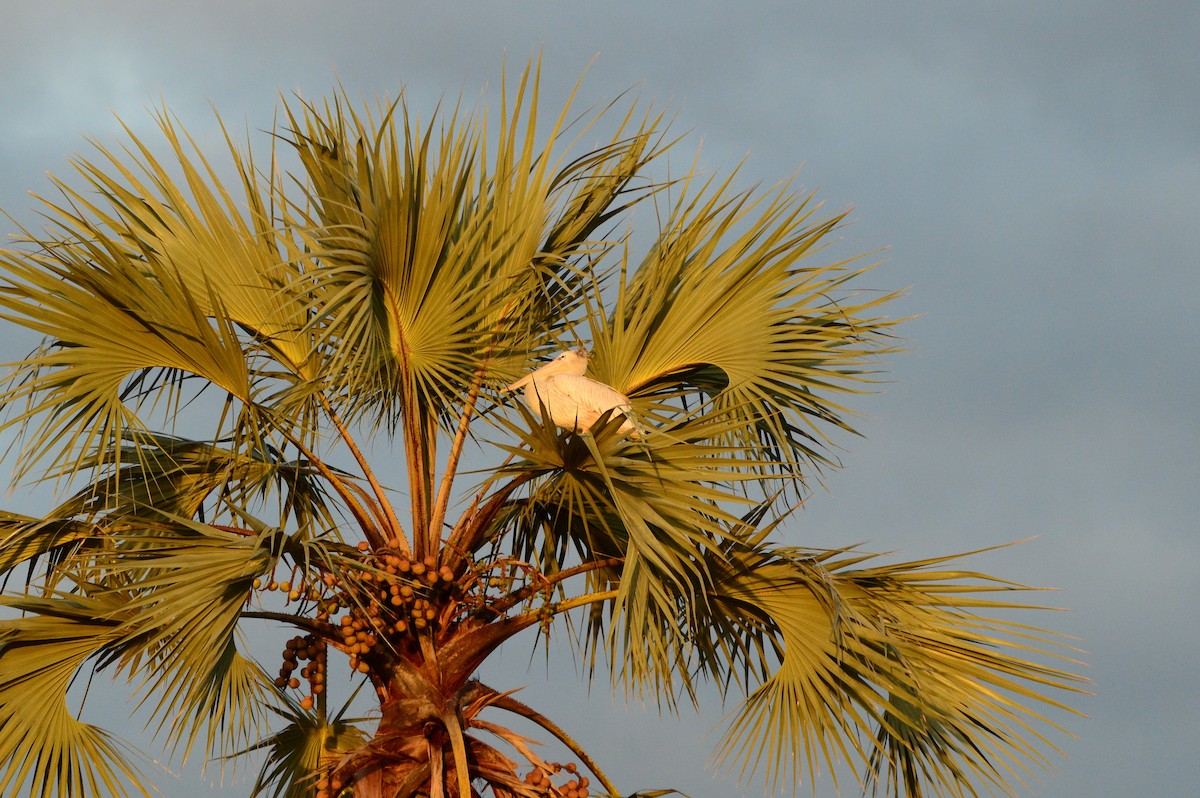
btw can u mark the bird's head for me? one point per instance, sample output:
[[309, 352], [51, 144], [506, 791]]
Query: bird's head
[[570, 361]]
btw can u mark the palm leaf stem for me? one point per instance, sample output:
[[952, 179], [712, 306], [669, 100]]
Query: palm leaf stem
[[460, 436], [321, 628], [478, 643], [416, 777], [517, 596], [475, 525], [347, 492], [384, 507], [418, 454], [507, 702], [462, 769], [235, 530], [527, 619]]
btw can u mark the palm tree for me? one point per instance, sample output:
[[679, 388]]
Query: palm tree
[[224, 370]]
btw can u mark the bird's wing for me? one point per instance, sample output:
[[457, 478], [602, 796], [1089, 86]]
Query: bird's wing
[[577, 402]]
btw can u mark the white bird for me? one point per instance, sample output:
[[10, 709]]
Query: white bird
[[574, 401]]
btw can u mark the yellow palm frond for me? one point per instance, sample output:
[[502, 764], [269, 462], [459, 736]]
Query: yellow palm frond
[[899, 669]]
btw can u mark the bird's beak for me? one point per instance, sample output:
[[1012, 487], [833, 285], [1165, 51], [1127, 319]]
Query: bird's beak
[[521, 383]]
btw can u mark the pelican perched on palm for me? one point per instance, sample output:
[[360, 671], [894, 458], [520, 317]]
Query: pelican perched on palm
[[574, 401]]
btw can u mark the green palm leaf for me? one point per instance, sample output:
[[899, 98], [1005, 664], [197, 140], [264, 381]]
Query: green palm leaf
[[431, 262], [295, 753], [725, 309], [166, 476], [237, 266], [25, 539], [895, 667], [192, 583], [42, 744], [662, 506], [109, 320]]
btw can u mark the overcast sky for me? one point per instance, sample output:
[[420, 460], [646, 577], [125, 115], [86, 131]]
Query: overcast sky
[[1033, 171]]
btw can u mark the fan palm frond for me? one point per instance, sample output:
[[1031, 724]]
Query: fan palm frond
[[308, 744], [42, 744], [725, 309], [906, 668], [186, 587]]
